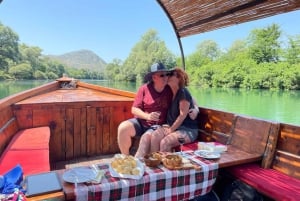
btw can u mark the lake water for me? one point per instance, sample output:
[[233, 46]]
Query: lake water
[[281, 106]]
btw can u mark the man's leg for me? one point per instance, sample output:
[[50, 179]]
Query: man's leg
[[126, 131]]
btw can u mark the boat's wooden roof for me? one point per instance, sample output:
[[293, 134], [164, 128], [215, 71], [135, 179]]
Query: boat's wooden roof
[[191, 17]]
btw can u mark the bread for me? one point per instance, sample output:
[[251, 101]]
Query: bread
[[176, 162], [153, 159], [125, 165], [172, 161]]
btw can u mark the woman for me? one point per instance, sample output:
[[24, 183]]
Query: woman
[[149, 107], [179, 122]]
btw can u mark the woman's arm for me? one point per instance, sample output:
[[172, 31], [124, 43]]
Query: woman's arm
[[183, 112], [193, 112]]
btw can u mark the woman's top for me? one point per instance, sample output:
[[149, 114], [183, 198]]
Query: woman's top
[[173, 112]]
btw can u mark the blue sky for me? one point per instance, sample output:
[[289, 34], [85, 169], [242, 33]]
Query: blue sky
[[111, 28]]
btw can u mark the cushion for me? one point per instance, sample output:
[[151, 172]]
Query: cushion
[[270, 182], [32, 138], [187, 147], [31, 161], [30, 149]]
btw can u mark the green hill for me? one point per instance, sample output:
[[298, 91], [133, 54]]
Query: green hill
[[81, 59]]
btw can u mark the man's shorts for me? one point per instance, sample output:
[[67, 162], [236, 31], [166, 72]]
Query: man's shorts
[[139, 128]]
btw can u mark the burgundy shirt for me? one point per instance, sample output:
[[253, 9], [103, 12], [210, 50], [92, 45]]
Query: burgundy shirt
[[149, 100]]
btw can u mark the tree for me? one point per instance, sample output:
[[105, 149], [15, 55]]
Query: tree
[[148, 50], [209, 49], [264, 45], [292, 53], [8, 47], [21, 71], [31, 54], [112, 70]]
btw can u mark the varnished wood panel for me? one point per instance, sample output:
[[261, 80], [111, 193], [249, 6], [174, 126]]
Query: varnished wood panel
[[7, 134], [271, 146], [287, 163], [24, 118], [250, 134], [83, 132], [214, 120], [287, 156], [289, 139], [91, 131], [6, 115], [70, 134], [8, 127], [78, 146], [102, 144], [55, 119]]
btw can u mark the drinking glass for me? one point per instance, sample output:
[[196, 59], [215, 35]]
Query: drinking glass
[[181, 140], [158, 113]]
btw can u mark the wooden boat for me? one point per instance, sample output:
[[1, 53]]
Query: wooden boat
[[83, 118]]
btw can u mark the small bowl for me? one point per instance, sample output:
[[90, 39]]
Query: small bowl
[[152, 160], [173, 160]]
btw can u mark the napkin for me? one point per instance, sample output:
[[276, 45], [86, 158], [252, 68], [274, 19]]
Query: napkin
[[12, 180]]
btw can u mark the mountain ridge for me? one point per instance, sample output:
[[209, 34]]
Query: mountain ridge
[[81, 59]]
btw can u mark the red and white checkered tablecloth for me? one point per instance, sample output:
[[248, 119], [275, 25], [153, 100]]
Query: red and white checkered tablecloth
[[156, 184]]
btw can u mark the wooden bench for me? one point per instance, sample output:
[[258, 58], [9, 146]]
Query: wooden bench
[[278, 176], [30, 149]]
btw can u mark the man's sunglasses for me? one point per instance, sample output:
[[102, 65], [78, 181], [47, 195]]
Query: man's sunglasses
[[167, 74]]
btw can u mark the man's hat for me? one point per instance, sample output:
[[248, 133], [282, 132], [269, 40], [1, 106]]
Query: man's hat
[[156, 67]]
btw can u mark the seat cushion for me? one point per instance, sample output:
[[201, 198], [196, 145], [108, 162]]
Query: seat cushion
[[270, 182], [32, 138], [187, 147], [30, 149], [31, 161]]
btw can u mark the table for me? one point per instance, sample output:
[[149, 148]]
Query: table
[[156, 184], [233, 156]]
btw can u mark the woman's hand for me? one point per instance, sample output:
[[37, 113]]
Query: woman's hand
[[193, 113]]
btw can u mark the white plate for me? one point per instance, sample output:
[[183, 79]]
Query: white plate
[[207, 154], [81, 174], [140, 166]]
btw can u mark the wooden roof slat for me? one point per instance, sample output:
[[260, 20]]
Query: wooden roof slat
[[191, 17]]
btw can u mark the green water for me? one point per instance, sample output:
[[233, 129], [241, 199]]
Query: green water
[[281, 106]]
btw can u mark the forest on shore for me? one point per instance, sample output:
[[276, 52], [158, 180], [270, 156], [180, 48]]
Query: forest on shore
[[265, 60]]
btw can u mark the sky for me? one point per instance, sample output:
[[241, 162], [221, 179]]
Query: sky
[[111, 28]]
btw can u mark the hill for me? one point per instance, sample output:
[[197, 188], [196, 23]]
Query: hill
[[81, 59]]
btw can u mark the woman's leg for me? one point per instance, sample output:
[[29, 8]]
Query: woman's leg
[[171, 141], [144, 145], [156, 138]]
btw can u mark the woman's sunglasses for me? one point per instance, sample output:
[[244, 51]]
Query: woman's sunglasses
[[164, 75]]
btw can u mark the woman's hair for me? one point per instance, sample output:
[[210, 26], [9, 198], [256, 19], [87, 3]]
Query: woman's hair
[[182, 76]]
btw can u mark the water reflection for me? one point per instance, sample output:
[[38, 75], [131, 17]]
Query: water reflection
[[281, 106]]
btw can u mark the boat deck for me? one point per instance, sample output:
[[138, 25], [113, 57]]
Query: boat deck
[[71, 95]]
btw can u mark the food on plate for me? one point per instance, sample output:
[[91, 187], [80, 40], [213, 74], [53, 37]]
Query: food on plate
[[212, 147], [153, 159], [124, 164], [172, 161]]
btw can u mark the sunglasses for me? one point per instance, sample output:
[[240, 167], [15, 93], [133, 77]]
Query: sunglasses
[[172, 73], [164, 75]]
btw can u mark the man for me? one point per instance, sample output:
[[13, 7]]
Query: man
[[149, 107]]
